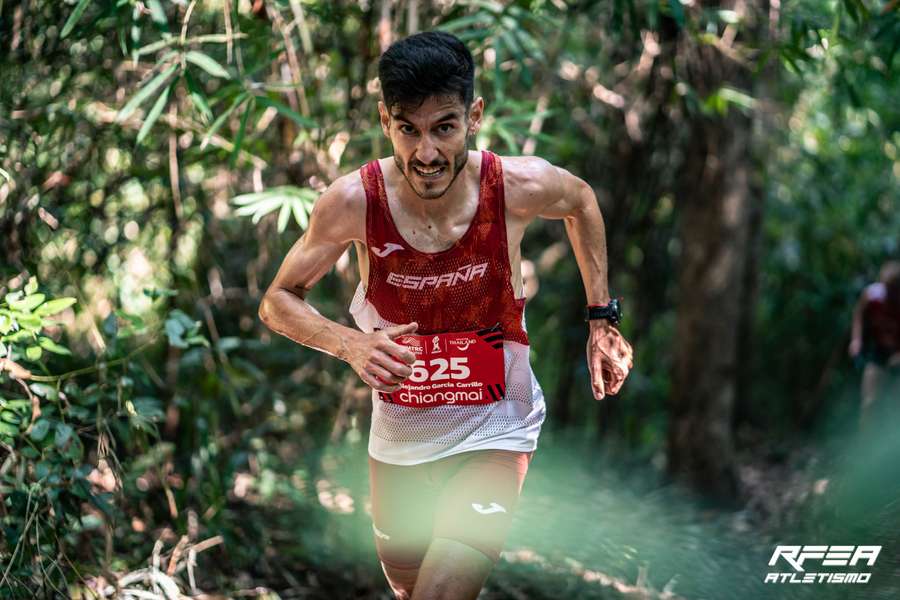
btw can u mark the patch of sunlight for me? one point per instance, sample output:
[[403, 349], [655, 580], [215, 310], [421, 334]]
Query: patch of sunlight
[[336, 500]]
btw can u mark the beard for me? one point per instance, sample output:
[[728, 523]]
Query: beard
[[432, 190]]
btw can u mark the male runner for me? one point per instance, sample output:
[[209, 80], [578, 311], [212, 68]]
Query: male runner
[[875, 335], [456, 407]]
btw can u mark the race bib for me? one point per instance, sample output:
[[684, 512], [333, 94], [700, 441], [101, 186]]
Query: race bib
[[453, 368]]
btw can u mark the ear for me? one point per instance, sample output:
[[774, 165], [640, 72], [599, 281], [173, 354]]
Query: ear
[[476, 112], [385, 118]]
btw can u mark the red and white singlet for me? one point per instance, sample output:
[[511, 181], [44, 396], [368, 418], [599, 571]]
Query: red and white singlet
[[464, 288]]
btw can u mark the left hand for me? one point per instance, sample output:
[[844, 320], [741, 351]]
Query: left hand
[[609, 358]]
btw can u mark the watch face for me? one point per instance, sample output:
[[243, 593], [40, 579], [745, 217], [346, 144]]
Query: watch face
[[616, 309]]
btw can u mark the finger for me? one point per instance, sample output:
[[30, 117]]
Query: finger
[[376, 383], [398, 330], [398, 352], [598, 385], [393, 366], [383, 374], [595, 369], [614, 383]]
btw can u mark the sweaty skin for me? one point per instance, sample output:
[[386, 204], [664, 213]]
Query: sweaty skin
[[432, 214]]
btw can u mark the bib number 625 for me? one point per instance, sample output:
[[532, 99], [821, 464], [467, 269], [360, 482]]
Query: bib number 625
[[440, 369]]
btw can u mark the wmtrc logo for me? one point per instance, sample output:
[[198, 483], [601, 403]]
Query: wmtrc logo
[[830, 556]]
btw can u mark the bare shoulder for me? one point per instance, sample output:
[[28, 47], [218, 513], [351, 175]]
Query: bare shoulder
[[530, 183], [339, 213]]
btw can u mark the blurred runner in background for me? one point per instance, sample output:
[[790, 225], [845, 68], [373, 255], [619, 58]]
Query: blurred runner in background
[[875, 338]]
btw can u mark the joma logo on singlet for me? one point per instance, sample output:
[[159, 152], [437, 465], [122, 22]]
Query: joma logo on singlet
[[465, 273]]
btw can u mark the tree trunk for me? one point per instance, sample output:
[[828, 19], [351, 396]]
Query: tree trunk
[[717, 209]]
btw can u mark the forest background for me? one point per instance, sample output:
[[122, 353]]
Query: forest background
[[159, 158]]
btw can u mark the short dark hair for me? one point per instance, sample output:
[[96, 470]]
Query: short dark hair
[[431, 63]]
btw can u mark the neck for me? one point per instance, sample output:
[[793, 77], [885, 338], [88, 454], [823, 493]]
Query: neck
[[451, 203]]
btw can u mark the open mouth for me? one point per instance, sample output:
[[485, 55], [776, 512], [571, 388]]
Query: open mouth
[[429, 172]]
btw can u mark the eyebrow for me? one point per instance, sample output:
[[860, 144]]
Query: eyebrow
[[446, 117]]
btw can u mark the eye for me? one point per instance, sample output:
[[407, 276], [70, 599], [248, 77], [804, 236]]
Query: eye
[[446, 128], [407, 129]]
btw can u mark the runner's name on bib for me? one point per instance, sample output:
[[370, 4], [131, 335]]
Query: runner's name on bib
[[453, 368]]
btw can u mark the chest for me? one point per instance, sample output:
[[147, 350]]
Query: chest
[[433, 235]]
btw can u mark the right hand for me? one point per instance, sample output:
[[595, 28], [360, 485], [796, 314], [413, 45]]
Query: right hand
[[380, 362]]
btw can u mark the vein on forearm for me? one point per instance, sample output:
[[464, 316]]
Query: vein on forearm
[[293, 317], [586, 231]]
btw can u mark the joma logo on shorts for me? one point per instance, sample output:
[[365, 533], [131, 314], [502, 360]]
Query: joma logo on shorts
[[463, 274]]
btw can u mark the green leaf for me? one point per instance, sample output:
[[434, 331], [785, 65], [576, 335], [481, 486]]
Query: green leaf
[[301, 216], [74, 18], [30, 322], [676, 10], [206, 63], [63, 433], [154, 113], [197, 97], [283, 215], [148, 407], [158, 14], [28, 303], [174, 330], [298, 200], [51, 346], [18, 404], [177, 325], [75, 451], [52, 307], [40, 430], [33, 353], [286, 111], [239, 139], [7, 430], [238, 100], [738, 97], [11, 417], [32, 286], [155, 293], [18, 336], [44, 391], [158, 45], [144, 93]]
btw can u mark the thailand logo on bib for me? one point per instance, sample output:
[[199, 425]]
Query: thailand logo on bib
[[464, 367]]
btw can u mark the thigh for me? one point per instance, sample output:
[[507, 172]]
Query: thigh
[[477, 501], [403, 501]]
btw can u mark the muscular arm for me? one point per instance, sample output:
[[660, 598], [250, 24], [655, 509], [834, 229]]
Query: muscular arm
[[333, 224], [553, 193], [577, 205], [543, 190], [337, 219]]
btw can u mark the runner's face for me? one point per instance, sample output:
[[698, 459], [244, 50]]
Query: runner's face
[[430, 142]]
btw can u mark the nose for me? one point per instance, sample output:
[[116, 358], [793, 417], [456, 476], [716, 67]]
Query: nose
[[426, 151]]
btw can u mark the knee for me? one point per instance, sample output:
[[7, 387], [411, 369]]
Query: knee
[[401, 580]]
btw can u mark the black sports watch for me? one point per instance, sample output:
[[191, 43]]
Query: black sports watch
[[612, 312]]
